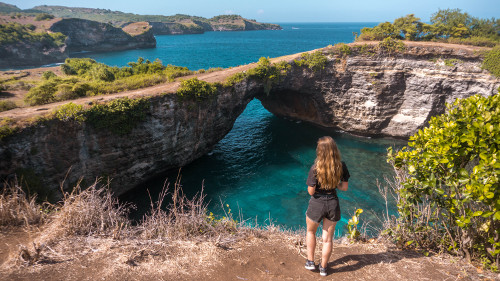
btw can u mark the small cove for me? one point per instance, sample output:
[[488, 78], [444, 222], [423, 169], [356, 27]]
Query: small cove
[[261, 166]]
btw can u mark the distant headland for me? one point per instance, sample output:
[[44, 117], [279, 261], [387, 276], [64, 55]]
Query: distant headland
[[47, 34]]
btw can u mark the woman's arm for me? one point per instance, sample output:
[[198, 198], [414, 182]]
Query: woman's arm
[[311, 190], [343, 186]]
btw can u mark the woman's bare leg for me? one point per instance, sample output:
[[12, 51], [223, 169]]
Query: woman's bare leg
[[328, 232], [312, 226]]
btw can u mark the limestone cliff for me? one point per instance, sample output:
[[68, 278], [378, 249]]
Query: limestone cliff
[[174, 133], [381, 95], [86, 35], [365, 93]]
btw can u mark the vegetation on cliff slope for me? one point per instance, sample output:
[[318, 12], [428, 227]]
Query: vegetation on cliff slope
[[119, 116], [449, 25], [184, 23], [194, 89], [14, 33], [448, 193], [86, 77], [492, 61]]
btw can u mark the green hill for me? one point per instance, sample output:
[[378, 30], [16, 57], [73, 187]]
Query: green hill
[[7, 8], [176, 24]]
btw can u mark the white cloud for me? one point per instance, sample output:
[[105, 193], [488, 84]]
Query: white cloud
[[260, 12], [229, 12]]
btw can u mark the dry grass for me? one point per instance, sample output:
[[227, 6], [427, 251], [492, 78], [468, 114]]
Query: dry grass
[[17, 208], [93, 211], [184, 218], [88, 236]]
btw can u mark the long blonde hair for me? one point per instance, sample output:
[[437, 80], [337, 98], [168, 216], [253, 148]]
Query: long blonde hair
[[328, 163]]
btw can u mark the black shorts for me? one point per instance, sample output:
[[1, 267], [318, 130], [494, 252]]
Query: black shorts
[[323, 207]]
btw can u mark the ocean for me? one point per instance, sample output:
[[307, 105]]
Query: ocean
[[260, 168]]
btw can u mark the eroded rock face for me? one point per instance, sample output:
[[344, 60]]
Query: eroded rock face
[[174, 133], [381, 95], [86, 35], [29, 54]]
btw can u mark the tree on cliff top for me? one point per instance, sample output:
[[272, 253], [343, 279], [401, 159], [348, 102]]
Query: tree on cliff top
[[446, 25]]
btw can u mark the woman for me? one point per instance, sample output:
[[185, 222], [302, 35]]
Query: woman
[[326, 175]]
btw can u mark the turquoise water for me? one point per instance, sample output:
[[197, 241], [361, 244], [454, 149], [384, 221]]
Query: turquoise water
[[260, 167], [226, 49]]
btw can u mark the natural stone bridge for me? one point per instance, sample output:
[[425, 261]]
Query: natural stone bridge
[[372, 95]]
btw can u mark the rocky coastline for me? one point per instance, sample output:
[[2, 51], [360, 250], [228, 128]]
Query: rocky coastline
[[362, 93]]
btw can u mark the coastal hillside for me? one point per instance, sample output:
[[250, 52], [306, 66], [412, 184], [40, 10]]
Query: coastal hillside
[[162, 25], [33, 40]]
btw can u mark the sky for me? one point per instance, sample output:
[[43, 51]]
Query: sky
[[276, 11]]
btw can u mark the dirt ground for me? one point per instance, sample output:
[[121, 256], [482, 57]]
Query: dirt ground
[[269, 255]]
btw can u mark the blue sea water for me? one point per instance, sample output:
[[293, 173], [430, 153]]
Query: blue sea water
[[259, 169]]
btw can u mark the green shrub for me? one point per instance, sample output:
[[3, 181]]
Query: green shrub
[[451, 62], [173, 71], [491, 61], [452, 173], [65, 92], [391, 46], [43, 16], [315, 61], [6, 129], [195, 89], [48, 75], [7, 105], [41, 94], [30, 27], [101, 72], [473, 40], [214, 69], [70, 112], [235, 79], [119, 116], [343, 49], [77, 66], [67, 69]]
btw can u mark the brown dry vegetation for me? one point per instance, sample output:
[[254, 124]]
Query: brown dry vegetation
[[42, 25], [88, 237], [137, 28]]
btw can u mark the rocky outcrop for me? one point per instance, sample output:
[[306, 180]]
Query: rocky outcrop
[[30, 53], [86, 35], [173, 28], [198, 27], [381, 95], [174, 133]]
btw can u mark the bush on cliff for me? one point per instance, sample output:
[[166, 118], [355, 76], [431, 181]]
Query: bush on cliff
[[119, 116], [492, 61], [268, 73], [194, 89], [449, 191], [391, 46], [315, 61]]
